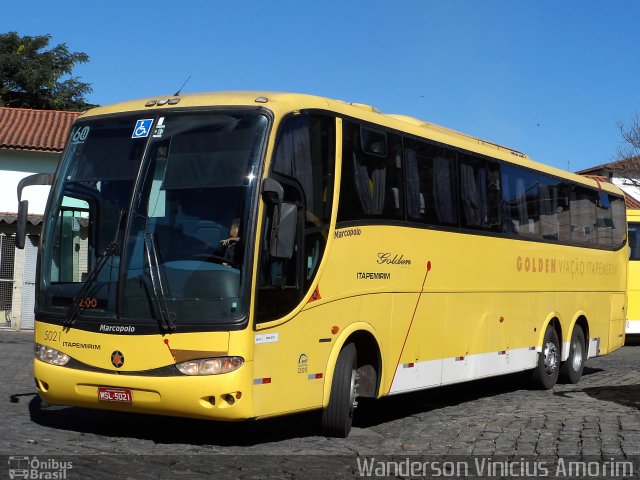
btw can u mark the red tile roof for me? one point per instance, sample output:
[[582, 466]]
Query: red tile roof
[[631, 202], [39, 130], [617, 165]]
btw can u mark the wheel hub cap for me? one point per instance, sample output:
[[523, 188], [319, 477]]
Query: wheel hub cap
[[550, 358]]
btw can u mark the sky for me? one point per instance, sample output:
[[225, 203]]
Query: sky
[[549, 78]]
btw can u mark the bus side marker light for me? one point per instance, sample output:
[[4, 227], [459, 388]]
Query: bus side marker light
[[314, 376], [408, 365], [315, 295], [501, 319], [502, 352], [459, 359], [335, 329], [261, 381]]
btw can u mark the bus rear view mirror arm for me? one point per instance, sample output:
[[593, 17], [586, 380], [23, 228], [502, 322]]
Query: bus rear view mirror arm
[[272, 192], [285, 215], [23, 205]]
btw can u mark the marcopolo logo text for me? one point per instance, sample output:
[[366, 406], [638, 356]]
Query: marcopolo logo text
[[117, 328]]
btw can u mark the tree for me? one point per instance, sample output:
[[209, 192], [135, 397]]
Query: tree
[[33, 77], [626, 161]]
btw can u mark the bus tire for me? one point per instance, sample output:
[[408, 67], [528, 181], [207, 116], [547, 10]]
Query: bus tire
[[337, 417], [572, 368], [545, 375]]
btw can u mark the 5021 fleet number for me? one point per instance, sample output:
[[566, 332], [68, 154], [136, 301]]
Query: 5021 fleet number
[[52, 336]]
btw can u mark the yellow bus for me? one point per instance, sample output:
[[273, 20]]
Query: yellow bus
[[244, 255], [633, 285]]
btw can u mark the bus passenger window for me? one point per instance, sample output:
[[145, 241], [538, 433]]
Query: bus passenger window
[[583, 216], [480, 193], [521, 201], [430, 178], [549, 223], [618, 216], [372, 183], [604, 221], [634, 241]]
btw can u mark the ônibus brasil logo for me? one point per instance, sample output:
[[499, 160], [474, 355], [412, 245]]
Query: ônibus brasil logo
[[32, 467]]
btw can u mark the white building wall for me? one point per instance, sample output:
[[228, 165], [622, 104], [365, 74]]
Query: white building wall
[[626, 186], [14, 166], [18, 282]]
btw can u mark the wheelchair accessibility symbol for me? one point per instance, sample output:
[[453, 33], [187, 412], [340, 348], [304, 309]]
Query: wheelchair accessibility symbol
[[142, 128]]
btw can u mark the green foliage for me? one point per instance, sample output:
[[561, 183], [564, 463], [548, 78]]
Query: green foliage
[[33, 77]]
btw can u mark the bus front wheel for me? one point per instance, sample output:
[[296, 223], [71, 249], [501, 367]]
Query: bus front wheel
[[572, 368], [545, 375], [337, 417]]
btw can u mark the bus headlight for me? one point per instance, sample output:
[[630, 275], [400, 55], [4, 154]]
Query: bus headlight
[[50, 355], [210, 366]]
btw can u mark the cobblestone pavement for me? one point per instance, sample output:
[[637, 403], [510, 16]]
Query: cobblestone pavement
[[598, 418]]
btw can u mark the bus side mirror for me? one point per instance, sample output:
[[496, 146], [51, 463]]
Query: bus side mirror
[[21, 224], [285, 217], [23, 205], [283, 238]]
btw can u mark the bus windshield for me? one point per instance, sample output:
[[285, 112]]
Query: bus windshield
[[146, 222]]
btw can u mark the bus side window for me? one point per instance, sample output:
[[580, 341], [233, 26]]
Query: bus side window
[[430, 173], [480, 193], [303, 163], [634, 241], [583, 216], [604, 221], [549, 207], [372, 180], [521, 201], [618, 217]]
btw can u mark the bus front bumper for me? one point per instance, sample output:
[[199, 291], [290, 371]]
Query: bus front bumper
[[226, 396]]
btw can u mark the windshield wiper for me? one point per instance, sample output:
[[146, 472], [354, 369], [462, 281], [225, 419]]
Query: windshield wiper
[[73, 311], [157, 286]]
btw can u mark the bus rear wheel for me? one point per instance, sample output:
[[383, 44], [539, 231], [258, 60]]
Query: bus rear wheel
[[572, 368], [338, 416], [545, 375]]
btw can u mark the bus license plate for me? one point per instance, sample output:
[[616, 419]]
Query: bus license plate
[[114, 394]]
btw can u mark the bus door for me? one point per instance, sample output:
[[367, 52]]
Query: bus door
[[289, 361]]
